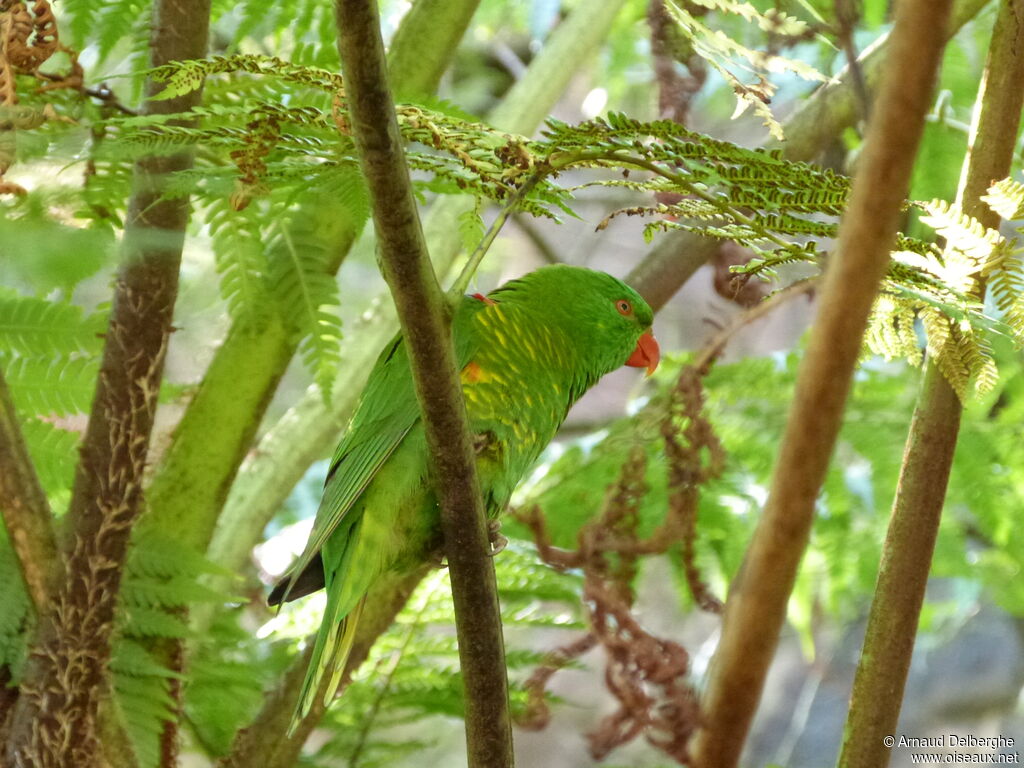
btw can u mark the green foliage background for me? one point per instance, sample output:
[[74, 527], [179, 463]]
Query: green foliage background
[[269, 153]]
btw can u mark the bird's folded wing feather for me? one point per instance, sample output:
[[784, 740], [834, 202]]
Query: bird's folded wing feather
[[386, 412]]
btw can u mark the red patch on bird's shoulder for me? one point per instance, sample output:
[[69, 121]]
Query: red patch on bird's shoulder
[[484, 299], [472, 372]]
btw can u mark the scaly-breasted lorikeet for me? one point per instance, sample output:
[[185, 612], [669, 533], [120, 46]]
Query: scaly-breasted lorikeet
[[526, 353]]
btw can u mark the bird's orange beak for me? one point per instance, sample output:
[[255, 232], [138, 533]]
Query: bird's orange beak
[[646, 355]]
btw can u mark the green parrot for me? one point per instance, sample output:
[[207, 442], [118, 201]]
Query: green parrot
[[526, 353]]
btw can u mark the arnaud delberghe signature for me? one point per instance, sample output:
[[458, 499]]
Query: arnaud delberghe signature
[[955, 740]]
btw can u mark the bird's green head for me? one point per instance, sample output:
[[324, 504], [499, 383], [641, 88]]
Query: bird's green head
[[605, 323]]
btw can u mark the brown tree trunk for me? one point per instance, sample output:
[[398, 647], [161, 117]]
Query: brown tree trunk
[[424, 316], [55, 719]]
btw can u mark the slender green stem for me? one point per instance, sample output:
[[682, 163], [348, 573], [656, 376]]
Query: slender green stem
[[473, 262]]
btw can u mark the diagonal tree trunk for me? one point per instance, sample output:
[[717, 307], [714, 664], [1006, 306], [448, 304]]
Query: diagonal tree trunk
[[756, 607], [928, 456], [26, 513], [55, 721]]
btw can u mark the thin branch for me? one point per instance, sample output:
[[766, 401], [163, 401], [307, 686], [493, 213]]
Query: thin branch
[[846, 16], [756, 607], [256, 743], [369, 716], [462, 282], [833, 107], [424, 315], [26, 513], [55, 722], [716, 344], [928, 455]]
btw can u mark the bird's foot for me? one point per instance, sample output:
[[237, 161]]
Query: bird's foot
[[437, 559], [483, 442], [498, 542]]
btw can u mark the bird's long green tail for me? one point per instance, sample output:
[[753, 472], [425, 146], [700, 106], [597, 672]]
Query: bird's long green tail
[[337, 632]]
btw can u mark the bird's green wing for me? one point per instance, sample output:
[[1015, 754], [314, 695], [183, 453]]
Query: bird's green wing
[[387, 410]]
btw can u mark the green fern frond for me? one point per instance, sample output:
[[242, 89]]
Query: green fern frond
[[224, 695], [111, 23], [130, 658], [31, 327], [964, 236], [229, 673], [156, 555], [892, 331], [44, 386], [173, 592], [53, 451], [141, 621], [305, 289], [238, 249], [343, 185], [162, 579], [16, 616], [181, 77], [412, 674], [1006, 198], [76, 18], [961, 346], [1006, 285], [142, 690], [471, 226]]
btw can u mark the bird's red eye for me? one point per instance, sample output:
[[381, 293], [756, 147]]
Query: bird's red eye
[[624, 307]]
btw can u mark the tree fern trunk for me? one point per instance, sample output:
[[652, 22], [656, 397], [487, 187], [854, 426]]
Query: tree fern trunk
[[55, 721], [928, 456], [26, 513]]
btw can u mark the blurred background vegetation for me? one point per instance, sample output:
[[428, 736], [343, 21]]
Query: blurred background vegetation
[[63, 214]]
